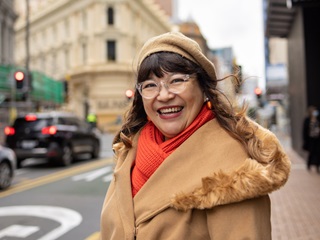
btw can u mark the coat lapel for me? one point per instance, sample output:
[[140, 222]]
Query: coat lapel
[[210, 168], [184, 169], [123, 192]]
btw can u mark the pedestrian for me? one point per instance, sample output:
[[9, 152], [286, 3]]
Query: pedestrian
[[311, 137], [92, 120], [188, 164]]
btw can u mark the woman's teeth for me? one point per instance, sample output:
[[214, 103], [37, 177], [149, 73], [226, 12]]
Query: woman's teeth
[[170, 110]]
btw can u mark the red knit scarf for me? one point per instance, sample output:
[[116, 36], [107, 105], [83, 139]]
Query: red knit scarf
[[152, 149]]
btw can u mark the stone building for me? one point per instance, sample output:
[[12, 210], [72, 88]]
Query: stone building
[[91, 45], [7, 19]]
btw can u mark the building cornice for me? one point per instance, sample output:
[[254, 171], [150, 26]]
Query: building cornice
[[49, 10]]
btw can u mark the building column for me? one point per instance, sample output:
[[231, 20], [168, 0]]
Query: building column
[[1, 38], [5, 40], [10, 44]]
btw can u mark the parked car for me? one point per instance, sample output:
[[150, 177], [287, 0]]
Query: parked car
[[7, 167], [57, 136]]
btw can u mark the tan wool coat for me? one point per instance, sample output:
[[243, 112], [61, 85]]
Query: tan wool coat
[[208, 188]]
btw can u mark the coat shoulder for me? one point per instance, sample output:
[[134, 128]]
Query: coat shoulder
[[265, 170]]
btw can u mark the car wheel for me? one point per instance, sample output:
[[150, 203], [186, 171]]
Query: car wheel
[[5, 175], [67, 156], [96, 151]]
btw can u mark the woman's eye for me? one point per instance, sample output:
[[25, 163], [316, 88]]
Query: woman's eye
[[177, 80], [149, 85]]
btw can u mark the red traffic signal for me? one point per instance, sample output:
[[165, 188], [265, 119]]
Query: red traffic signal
[[19, 78], [258, 92]]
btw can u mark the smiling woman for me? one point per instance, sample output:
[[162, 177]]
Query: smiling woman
[[188, 162]]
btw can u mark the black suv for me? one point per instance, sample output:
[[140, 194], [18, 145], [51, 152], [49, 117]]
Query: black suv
[[57, 136]]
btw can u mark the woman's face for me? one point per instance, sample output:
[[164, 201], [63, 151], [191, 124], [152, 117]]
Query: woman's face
[[172, 113]]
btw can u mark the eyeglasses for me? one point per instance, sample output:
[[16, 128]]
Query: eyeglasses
[[150, 88]]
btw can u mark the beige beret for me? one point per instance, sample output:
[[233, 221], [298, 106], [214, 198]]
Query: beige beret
[[178, 43]]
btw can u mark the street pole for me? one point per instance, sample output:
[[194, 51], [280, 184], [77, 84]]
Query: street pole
[[27, 91]]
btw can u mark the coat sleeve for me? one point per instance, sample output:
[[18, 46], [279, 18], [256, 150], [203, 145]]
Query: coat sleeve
[[249, 219]]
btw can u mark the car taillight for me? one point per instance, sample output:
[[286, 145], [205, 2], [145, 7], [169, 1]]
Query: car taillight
[[30, 117], [9, 131], [51, 130]]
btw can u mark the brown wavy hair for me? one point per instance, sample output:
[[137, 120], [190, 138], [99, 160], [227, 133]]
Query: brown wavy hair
[[230, 117]]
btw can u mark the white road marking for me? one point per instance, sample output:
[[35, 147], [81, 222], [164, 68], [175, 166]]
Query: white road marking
[[67, 218], [18, 231], [90, 176]]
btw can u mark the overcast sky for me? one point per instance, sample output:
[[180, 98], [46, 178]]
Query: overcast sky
[[231, 23]]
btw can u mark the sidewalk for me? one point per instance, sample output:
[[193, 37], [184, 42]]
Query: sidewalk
[[296, 206]]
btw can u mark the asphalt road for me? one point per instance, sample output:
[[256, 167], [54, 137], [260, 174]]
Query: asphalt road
[[49, 203]]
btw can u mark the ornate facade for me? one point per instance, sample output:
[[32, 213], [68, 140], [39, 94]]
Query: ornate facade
[[92, 45]]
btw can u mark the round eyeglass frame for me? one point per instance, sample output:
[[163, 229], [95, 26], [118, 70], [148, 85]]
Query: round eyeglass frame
[[165, 84]]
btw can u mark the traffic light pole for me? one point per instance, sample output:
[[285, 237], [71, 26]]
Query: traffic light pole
[[27, 91]]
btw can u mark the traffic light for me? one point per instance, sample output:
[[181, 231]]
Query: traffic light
[[258, 92], [129, 94], [19, 77]]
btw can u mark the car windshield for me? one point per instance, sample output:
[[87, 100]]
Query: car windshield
[[35, 125]]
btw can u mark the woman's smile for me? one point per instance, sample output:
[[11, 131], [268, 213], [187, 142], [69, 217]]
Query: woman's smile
[[169, 112]]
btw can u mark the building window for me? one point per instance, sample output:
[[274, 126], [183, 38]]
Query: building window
[[110, 16], [43, 64], [44, 38], [84, 53], [54, 64], [66, 27], [54, 34], [111, 50], [84, 20], [66, 59]]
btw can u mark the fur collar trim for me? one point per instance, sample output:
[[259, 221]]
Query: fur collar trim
[[252, 179]]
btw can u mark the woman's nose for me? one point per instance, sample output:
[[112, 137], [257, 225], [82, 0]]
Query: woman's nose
[[164, 93]]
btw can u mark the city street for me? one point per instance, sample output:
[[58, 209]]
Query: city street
[[67, 208], [49, 203]]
